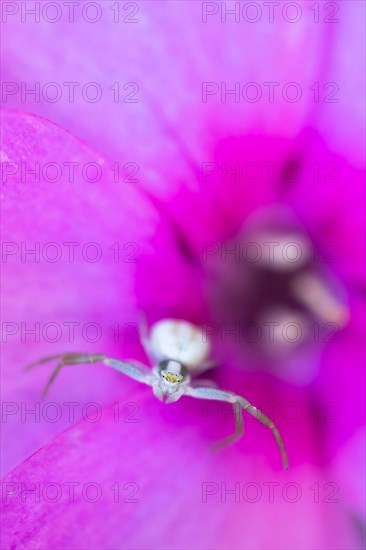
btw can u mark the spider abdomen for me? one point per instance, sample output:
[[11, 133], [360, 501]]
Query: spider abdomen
[[180, 341]]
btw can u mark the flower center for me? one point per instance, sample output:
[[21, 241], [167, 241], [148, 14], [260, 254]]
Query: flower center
[[271, 294]]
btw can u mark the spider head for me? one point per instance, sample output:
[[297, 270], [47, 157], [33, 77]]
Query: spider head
[[170, 378]]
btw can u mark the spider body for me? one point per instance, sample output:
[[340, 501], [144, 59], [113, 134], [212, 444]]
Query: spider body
[[170, 378], [178, 340], [178, 354]]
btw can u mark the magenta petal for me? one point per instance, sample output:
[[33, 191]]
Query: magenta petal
[[329, 198], [155, 484], [170, 116], [49, 291]]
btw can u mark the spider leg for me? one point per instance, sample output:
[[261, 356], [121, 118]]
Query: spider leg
[[140, 366], [72, 358], [229, 397], [41, 361], [203, 383], [144, 337], [239, 429], [254, 411], [134, 370], [65, 359], [52, 378]]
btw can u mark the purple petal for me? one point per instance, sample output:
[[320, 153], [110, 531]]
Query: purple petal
[[155, 484], [45, 292], [170, 115]]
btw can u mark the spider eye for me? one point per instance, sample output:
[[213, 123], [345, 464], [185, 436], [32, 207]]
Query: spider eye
[[172, 377], [172, 371]]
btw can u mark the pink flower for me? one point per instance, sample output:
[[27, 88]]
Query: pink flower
[[109, 481]]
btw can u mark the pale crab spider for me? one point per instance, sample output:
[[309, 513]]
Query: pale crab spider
[[178, 352]]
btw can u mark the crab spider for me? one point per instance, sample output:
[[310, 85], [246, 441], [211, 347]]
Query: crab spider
[[178, 352]]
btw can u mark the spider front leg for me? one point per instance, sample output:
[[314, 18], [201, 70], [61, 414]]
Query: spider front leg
[[237, 400], [239, 429], [132, 369], [251, 409], [144, 336], [65, 359]]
